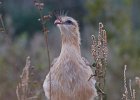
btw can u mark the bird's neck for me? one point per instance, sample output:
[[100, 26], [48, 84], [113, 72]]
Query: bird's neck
[[70, 44]]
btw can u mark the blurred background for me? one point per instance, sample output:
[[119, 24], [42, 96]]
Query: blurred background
[[24, 37]]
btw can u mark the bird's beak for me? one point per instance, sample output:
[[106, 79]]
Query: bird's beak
[[58, 21]]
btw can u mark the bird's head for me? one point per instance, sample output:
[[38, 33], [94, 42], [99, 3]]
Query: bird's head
[[67, 24], [69, 28]]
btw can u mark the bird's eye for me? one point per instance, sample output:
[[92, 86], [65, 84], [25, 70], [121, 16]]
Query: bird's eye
[[69, 22]]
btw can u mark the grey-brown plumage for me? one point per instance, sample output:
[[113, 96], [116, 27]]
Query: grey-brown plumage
[[70, 72]]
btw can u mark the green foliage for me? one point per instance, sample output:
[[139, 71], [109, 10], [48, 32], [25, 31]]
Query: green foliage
[[96, 10]]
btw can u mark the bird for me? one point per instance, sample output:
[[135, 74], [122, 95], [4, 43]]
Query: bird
[[69, 72]]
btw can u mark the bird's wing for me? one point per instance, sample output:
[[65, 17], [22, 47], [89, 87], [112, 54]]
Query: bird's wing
[[54, 61], [86, 61], [89, 65]]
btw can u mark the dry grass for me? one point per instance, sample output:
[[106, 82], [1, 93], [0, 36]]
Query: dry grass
[[129, 92], [24, 89]]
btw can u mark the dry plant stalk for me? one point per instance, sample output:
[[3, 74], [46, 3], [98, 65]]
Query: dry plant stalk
[[3, 29], [128, 95], [125, 95], [132, 91], [137, 81], [43, 18], [22, 87], [99, 52]]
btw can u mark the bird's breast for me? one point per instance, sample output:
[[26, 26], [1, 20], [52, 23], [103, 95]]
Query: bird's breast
[[69, 77]]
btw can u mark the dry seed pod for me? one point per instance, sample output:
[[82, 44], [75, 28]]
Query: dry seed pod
[[46, 17]]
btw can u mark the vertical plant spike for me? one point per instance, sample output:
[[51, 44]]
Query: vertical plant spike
[[125, 95], [99, 52], [131, 94], [22, 87], [130, 89]]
